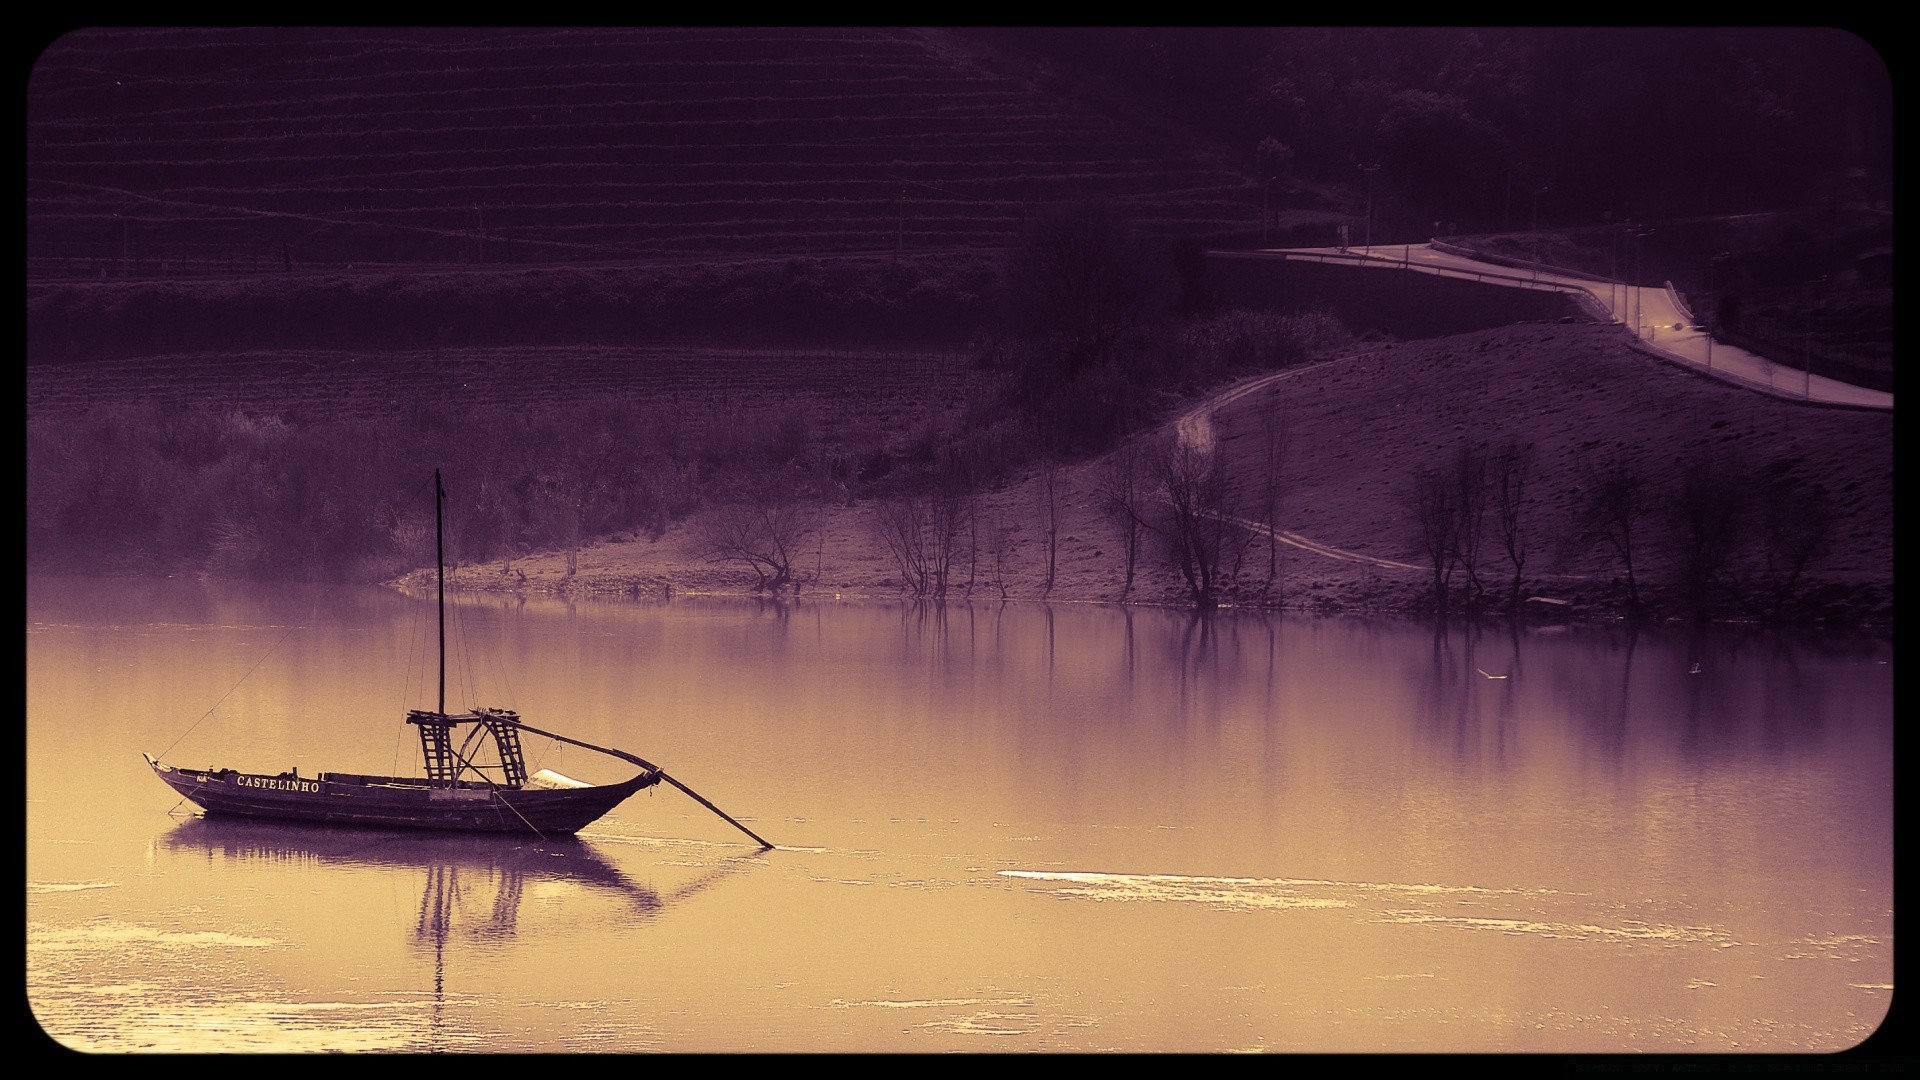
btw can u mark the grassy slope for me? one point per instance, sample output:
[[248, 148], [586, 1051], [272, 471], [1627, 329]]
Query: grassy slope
[[1360, 427]]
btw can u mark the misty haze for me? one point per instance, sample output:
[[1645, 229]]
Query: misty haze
[[929, 540]]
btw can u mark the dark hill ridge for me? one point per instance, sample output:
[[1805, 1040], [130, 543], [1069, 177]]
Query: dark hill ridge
[[206, 147]]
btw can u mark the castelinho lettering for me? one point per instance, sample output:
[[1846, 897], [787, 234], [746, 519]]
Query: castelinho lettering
[[277, 783]]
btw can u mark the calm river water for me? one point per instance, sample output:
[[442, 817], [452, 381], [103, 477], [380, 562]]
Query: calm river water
[[1074, 828]]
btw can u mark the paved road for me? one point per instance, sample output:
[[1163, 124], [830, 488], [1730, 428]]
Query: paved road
[[1195, 429], [1649, 311]]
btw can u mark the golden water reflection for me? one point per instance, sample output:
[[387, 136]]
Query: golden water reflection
[[1045, 828]]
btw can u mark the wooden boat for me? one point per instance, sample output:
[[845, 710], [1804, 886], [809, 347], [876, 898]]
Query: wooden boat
[[465, 789]]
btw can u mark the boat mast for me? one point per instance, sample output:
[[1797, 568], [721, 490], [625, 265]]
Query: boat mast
[[440, 570]]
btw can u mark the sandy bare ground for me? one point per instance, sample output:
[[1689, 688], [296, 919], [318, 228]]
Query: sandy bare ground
[[1360, 427]]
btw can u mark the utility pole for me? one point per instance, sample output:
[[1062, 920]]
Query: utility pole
[[1613, 273], [1640, 234], [1536, 230], [1713, 300], [1806, 358], [1625, 259], [1370, 170], [1806, 345], [1639, 266]]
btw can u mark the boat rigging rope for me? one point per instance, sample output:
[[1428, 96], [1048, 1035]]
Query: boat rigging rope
[[466, 668], [416, 650], [312, 617]]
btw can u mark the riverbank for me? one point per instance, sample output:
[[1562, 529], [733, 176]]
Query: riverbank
[[1360, 427]]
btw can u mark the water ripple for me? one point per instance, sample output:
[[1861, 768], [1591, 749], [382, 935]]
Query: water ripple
[[112, 933]]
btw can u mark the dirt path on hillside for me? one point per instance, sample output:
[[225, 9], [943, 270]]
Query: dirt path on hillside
[[1195, 431]]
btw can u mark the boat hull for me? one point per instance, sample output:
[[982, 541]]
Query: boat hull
[[347, 799]]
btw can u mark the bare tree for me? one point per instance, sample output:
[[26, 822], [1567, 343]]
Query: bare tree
[[1507, 474], [767, 533], [1796, 526], [959, 470], [1275, 439], [898, 523], [918, 532], [1434, 499], [972, 520], [999, 541], [1470, 505], [1119, 492], [948, 509], [1707, 512], [1193, 525], [1078, 279], [1049, 495], [1612, 508]]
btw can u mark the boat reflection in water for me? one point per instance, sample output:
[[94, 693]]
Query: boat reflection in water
[[518, 900], [451, 863], [454, 864]]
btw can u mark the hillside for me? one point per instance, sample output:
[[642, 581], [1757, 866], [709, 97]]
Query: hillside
[[154, 152], [623, 278], [1361, 426]]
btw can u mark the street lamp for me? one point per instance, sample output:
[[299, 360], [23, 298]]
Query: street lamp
[[1640, 235], [1613, 273], [1628, 258], [1536, 230], [1807, 341], [1370, 170], [1713, 300]]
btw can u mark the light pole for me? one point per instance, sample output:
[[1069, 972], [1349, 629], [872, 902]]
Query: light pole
[[1637, 257], [1807, 343], [1640, 235], [1713, 300], [1629, 295], [1370, 170], [1613, 272], [1536, 230]]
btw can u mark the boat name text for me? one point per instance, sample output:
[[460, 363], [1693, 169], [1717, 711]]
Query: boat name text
[[278, 784]]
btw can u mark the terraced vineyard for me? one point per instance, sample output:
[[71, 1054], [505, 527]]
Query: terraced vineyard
[[851, 396], [176, 151]]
